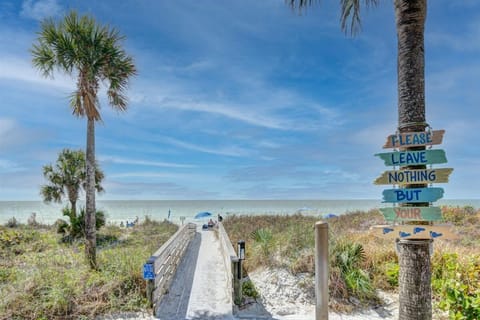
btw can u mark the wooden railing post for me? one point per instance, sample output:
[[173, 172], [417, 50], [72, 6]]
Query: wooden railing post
[[321, 271], [237, 281]]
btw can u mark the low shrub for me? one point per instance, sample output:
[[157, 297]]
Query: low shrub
[[249, 290], [456, 283]]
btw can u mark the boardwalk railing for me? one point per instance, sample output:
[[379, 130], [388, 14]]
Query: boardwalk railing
[[164, 263], [231, 261]]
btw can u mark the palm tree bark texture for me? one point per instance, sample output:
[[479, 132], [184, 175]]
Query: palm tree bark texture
[[90, 223], [414, 255]]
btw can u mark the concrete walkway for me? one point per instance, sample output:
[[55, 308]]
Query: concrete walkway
[[199, 289]]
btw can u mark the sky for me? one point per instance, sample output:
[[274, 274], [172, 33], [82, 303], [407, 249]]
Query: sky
[[240, 99]]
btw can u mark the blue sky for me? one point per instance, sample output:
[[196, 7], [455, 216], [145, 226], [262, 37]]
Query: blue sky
[[240, 99]]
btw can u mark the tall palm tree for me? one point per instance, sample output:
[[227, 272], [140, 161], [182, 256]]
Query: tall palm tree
[[93, 54], [414, 256], [67, 178]]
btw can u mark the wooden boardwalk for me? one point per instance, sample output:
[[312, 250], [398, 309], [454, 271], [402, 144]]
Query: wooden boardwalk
[[199, 289]]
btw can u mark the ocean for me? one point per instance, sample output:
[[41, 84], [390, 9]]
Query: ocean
[[122, 211]]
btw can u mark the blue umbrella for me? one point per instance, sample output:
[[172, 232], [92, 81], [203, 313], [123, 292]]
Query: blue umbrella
[[329, 215], [204, 214]]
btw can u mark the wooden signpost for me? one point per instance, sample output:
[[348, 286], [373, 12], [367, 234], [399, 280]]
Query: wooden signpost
[[414, 139], [414, 232], [412, 213], [407, 158], [409, 198], [412, 195], [405, 177]]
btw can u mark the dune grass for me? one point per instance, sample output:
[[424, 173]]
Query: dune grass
[[360, 263], [43, 278]]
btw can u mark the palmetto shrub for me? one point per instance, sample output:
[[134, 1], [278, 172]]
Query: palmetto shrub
[[75, 228], [347, 257]]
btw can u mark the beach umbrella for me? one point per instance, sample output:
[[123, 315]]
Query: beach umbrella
[[203, 214], [329, 215]]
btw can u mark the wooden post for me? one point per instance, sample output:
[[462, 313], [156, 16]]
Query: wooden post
[[237, 283], [321, 270]]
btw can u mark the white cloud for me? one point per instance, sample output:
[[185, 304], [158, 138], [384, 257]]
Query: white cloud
[[143, 162], [40, 9], [10, 133], [7, 166], [245, 115], [12, 68], [225, 151]]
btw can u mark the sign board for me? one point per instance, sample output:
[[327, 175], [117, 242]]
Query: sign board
[[414, 232], [404, 177], [148, 271], [407, 158], [413, 195], [412, 213], [414, 139]]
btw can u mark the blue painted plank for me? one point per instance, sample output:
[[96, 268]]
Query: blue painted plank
[[406, 158], [412, 195]]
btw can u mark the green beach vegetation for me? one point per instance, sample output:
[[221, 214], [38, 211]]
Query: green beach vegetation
[[42, 277], [66, 179], [361, 263]]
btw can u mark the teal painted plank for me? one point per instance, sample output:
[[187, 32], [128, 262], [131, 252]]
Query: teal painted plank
[[406, 158], [412, 195], [412, 213]]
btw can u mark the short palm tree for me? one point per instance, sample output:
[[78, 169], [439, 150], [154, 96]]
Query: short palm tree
[[410, 15], [67, 178], [93, 54]]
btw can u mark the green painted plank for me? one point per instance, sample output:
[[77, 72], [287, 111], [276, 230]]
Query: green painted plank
[[412, 139], [412, 195], [407, 158], [405, 177], [412, 213]]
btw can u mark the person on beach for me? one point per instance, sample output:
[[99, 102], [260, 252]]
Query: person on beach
[[211, 223]]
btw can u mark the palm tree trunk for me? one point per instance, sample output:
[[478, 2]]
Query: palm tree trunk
[[414, 255], [72, 197], [73, 209], [90, 231]]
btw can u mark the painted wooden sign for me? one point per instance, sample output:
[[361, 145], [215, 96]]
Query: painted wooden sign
[[412, 213], [148, 271], [412, 195], [404, 177], [414, 232], [413, 139], [407, 158]]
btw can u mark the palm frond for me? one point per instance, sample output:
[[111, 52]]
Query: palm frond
[[78, 44], [350, 21], [350, 15], [299, 4]]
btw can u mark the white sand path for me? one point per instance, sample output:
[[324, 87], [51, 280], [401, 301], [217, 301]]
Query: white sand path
[[210, 297]]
